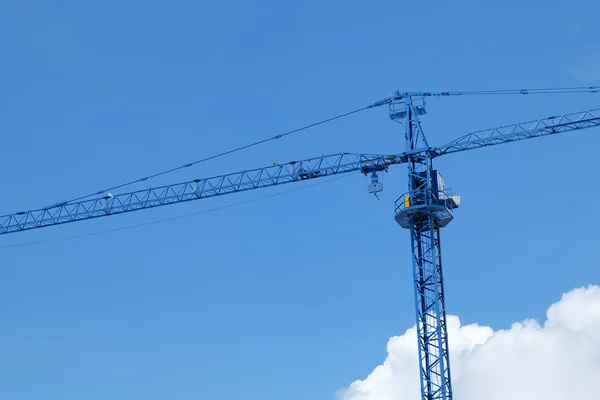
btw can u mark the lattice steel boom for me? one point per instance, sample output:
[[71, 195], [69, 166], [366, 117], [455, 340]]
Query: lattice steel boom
[[196, 189], [522, 131], [427, 207], [424, 210]]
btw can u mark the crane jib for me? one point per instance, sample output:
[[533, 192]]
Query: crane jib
[[521, 131], [196, 189]]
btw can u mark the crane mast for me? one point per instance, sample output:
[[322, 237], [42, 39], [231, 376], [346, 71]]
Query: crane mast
[[424, 209]]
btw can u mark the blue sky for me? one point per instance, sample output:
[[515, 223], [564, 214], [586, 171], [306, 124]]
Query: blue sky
[[295, 296]]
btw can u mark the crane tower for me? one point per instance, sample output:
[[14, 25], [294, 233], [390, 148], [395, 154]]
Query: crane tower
[[424, 209]]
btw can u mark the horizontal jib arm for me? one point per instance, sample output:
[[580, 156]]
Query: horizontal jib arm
[[294, 171]]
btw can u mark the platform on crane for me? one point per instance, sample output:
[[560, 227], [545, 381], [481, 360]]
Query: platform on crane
[[428, 198], [411, 208], [398, 109]]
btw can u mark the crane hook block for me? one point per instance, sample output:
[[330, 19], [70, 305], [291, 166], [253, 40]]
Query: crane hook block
[[375, 185]]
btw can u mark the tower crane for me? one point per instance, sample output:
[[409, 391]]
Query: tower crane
[[424, 209]]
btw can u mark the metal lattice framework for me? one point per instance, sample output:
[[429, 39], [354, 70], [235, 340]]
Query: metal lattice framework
[[431, 311], [424, 209], [521, 131], [194, 190], [422, 212]]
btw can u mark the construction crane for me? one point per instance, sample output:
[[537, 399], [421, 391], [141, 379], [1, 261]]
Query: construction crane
[[424, 209]]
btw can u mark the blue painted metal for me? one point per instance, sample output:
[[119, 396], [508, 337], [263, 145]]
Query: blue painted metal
[[294, 171], [418, 153], [424, 211], [521, 131], [428, 206]]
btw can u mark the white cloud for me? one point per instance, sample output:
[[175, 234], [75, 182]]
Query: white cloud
[[557, 361]]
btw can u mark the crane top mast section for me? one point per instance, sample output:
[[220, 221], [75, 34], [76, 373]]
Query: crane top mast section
[[424, 209], [427, 194]]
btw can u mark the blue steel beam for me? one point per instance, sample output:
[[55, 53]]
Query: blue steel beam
[[434, 361], [107, 205], [521, 131], [430, 304]]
